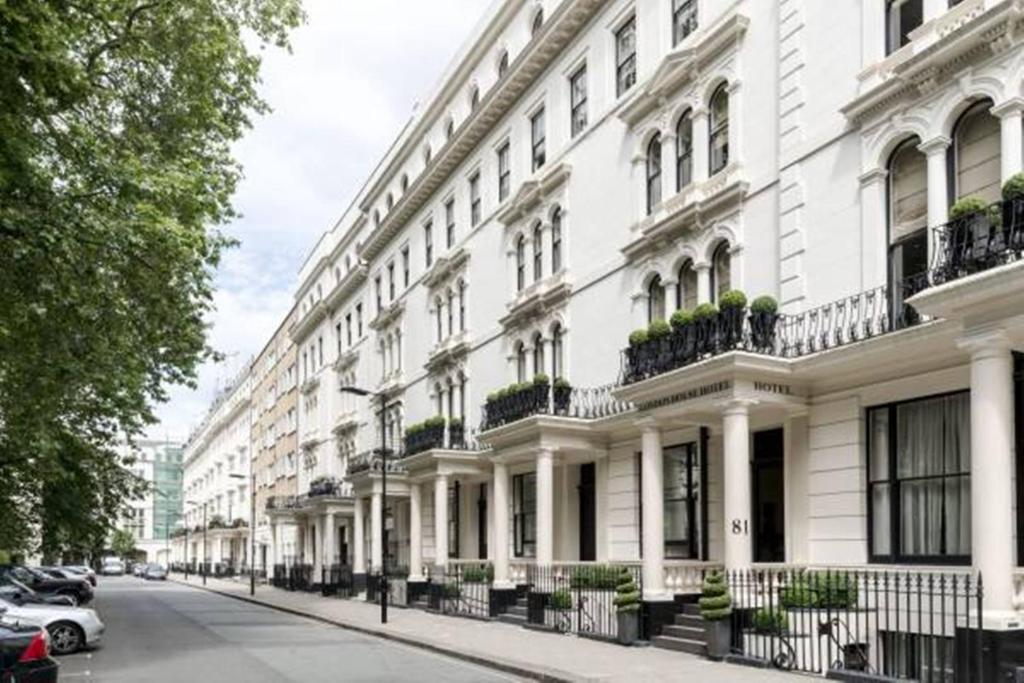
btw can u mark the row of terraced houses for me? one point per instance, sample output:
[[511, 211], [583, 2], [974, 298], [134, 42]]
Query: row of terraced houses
[[662, 287]]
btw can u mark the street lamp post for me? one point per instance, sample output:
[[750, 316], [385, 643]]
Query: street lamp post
[[383, 588], [252, 530]]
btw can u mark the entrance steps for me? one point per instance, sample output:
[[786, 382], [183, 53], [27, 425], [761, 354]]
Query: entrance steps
[[687, 634], [516, 614]]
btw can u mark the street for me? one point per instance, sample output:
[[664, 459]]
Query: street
[[162, 631]]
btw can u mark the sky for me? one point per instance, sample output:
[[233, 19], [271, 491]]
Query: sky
[[356, 70]]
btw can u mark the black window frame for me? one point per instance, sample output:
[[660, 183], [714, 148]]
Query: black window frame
[[625, 63], [504, 171], [428, 243], [475, 204], [449, 222], [684, 20], [578, 100], [454, 521], [895, 556], [538, 139], [684, 154], [653, 174], [691, 544], [522, 540]]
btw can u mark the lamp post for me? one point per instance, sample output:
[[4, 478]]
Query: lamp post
[[384, 494], [252, 530]]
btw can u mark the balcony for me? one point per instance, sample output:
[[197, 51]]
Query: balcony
[[370, 461], [521, 401], [978, 242], [436, 434]]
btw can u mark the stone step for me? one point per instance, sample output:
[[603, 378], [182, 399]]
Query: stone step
[[693, 647], [512, 618], [686, 632], [690, 621], [517, 610], [691, 609]]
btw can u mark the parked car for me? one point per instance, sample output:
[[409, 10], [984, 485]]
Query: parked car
[[25, 654], [79, 588], [112, 566], [138, 569], [81, 570], [71, 628], [20, 594], [154, 572]]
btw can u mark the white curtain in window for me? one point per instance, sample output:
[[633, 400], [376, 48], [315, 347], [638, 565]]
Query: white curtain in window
[[978, 155], [908, 174]]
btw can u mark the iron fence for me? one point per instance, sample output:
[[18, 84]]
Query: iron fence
[[575, 598], [462, 589], [586, 403], [336, 581], [924, 626], [979, 241]]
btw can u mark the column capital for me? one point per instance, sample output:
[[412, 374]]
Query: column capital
[[1009, 107], [985, 343], [936, 145], [736, 406], [647, 425], [873, 176]]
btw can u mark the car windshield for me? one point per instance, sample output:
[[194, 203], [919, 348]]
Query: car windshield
[[37, 573], [20, 586]]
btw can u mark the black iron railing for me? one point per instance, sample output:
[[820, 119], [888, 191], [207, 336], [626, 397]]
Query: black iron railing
[[578, 599], [587, 403], [917, 625], [462, 589], [370, 461], [845, 321], [978, 241], [336, 580], [282, 502], [452, 435]]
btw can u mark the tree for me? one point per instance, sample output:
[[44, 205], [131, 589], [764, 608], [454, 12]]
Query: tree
[[116, 124], [123, 543]]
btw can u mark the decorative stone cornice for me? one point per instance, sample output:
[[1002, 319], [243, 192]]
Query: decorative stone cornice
[[388, 315], [534, 191], [446, 267], [347, 286], [448, 353], [538, 299], [307, 323]]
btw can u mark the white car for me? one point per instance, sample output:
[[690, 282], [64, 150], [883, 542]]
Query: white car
[[70, 628], [112, 567]]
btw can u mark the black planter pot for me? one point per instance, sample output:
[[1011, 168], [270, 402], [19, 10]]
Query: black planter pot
[[706, 331], [730, 328], [684, 344], [762, 330], [456, 436], [561, 397]]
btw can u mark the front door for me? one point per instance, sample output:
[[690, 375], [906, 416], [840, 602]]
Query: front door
[[769, 512], [588, 513], [481, 523]]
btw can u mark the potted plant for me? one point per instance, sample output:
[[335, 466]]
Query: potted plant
[[627, 608], [705, 322], [764, 315], [971, 225], [660, 344], [732, 307], [557, 610], [456, 432], [1013, 208], [770, 621], [716, 609], [684, 334], [561, 394]]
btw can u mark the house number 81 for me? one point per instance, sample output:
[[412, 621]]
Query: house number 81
[[740, 526]]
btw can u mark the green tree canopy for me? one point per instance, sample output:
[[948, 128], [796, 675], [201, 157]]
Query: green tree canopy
[[116, 124]]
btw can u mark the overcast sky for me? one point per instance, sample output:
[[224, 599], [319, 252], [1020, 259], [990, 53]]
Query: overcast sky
[[356, 70]]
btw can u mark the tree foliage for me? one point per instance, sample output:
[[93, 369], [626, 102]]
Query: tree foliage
[[123, 544], [116, 124]]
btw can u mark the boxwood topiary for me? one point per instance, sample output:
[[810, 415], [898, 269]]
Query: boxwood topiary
[[562, 383], [732, 300], [967, 206], [637, 337], [770, 620], [715, 602], [681, 319], [764, 304], [560, 599], [541, 380], [627, 594], [1014, 187], [705, 311], [658, 329]]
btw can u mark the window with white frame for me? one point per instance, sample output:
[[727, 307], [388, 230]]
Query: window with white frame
[[719, 121], [578, 100], [538, 252], [449, 221], [653, 173], [475, 207], [625, 57], [684, 151], [556, 240], [504, 172], [684, 19], [428, 244], [901, 17], [538, 139]]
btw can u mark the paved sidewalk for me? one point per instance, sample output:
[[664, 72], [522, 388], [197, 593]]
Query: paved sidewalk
[[513, 649]]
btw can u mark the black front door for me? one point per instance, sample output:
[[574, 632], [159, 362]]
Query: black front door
[[481, 523], [769, 496], [588, 514]]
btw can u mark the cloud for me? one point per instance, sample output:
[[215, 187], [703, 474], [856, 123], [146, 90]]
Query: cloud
[[339, 100]]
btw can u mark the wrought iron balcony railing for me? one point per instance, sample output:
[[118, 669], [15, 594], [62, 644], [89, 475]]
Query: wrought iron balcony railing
[[543, 399], [371, 461], [978, 242]]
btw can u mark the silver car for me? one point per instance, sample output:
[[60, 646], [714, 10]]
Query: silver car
[[70, 628]]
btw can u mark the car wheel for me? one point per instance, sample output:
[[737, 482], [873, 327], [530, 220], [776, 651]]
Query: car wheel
[[65, 637]]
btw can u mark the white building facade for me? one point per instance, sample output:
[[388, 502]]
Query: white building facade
[[589, 167]]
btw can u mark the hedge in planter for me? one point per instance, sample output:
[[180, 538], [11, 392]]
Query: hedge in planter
[[478, 574], [1013, 209], [560, 599], [598, 578], [770, 621], [819, 590], [627, 607], [764, 315], [716, 609]]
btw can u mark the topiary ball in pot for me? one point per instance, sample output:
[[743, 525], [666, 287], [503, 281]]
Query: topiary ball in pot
[[732, 300], [541, 380], [704, 312], [681, 319], [658, 329], [637, 337], [1014, 188], [966, 207], [764, 304]]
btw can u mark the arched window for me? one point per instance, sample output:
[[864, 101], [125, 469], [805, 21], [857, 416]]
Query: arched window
[[719, 122], [556, 240], [451, 312], [376, 217], [538, 354], [908, 219], [462, 396], [451, 398], [976, 154], [449, 129], [474, 98], [462, 306], [439, 316], [686, 287], [655, 300], [721, 272], [427, 155], [521, 263], [502, 64], [538, 253], [520, 362], [405, 183], [684, 151], [557, 344], [538, 23], [653, 173]]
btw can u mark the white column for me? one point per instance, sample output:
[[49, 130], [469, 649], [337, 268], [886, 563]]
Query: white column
[[274, 549], [499, 549], [992, 471], [1011, 151], [736, 456], [376, 539], [545, 506], [441, 520], [415, 532], [703, 282], [735, 121], [873, 232], [321, 543], [797, 488], [938, 189], [652, 491], [358, 541], [701, 132], [330, 539], [668, 163]]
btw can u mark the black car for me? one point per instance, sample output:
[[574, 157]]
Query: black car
[[25, 654], [40, 582], [18, 593]]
